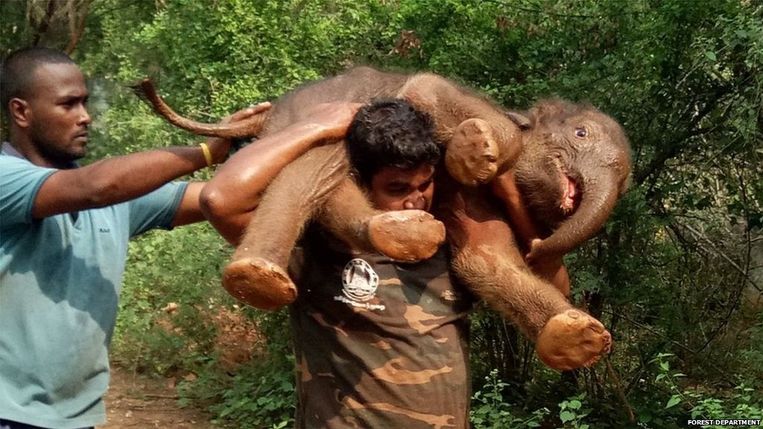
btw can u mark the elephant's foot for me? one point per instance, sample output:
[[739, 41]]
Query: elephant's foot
[[472, 153], [259, 283], [406, 235], [572, 340]]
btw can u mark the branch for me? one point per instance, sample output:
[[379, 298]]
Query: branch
[[619, 389], [660, 335], [43, 27], [714, 249], [674, 148], [76, 31]]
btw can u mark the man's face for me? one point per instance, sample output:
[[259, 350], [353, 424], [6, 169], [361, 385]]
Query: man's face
[[394, 188], [58, 121]]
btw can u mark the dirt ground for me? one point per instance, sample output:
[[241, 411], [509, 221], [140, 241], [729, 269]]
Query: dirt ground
[[135, 401]]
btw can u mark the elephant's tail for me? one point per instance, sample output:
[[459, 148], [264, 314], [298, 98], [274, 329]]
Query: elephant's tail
[[246, 128]]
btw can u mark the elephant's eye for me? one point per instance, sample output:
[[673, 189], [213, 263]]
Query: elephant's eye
[[581, 132]]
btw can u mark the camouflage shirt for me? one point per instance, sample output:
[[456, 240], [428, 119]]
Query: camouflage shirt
[[378, 344]]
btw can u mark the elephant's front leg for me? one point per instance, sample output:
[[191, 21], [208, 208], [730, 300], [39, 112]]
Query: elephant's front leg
[[481, 140], [406, 235], [471, 155], [257, 273], [486, 259]]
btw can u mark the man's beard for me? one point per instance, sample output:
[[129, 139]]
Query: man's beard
[[51, 151]]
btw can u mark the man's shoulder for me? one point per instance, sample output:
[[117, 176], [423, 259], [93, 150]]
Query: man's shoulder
[[19, 182], [15, 162]]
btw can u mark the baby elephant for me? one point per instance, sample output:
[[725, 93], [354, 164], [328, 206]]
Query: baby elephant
[[571, 164]]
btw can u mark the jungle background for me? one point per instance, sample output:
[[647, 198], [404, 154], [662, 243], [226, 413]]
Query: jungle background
[[676, 275]]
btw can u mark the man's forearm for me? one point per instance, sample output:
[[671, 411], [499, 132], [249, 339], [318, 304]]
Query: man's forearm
[[114, 180], [229, 199]]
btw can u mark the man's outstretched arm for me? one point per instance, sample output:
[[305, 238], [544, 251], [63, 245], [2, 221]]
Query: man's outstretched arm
[[122, 178]]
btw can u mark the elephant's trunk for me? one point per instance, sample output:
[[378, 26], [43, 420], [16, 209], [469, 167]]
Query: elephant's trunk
[[247, 128], [600, 194]]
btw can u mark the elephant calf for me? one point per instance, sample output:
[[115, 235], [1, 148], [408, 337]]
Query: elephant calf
[[571, 164]]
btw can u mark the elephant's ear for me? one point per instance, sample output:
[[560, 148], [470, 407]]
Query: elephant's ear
[[522, 121]]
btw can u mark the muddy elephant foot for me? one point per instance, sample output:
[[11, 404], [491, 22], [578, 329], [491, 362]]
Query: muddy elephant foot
[[259, 283], [572, 340], [472, 153], [406, 235]]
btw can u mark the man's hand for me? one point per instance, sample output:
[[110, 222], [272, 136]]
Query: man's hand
[[219, 146], [332, 119]]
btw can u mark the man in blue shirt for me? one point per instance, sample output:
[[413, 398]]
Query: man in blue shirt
[[64, 231]]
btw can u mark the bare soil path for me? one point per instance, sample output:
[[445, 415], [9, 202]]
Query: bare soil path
[[136, 401]]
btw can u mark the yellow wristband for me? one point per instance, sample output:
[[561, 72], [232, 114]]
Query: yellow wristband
[[207, 153]]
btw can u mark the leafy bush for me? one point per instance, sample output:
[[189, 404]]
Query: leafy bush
[[489, 409]]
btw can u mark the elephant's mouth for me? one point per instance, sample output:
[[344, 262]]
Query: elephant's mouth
[[570, 195], [569, 190]]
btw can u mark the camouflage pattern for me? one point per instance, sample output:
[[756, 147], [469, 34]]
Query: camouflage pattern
[[378, 344]]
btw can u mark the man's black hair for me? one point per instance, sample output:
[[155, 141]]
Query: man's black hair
[[17, 71], [390, 132]]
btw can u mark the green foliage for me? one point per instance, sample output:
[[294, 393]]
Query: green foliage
[[572, 412], [261, 394], [263, 398], [669, 275], [681, 401], [490, 410], [180, 267], [752, 352], [741, 402]]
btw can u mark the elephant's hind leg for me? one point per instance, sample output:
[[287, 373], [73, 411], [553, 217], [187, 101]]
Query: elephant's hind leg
[[405, 235], [257, 274]]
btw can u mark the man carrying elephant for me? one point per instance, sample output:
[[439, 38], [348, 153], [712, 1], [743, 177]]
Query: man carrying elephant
[[378, 343], [570, 162]]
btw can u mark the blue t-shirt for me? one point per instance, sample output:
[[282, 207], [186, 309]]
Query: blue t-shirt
[[59, 286]]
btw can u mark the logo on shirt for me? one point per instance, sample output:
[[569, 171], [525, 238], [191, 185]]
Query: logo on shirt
[[359, 284]]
